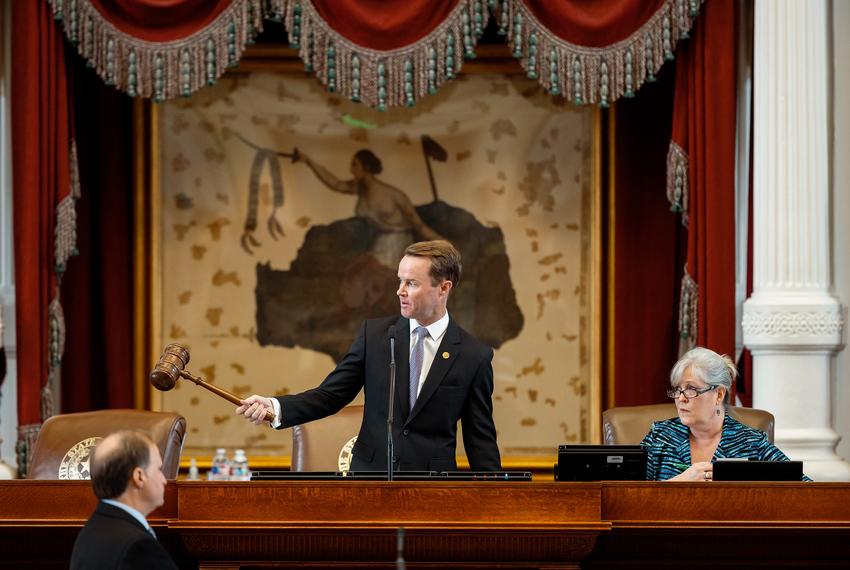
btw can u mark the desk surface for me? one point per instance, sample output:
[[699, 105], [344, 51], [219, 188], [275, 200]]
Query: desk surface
[[463, 524]]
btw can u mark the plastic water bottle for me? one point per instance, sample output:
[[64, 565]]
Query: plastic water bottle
[[240, 471], [220, 466], [193, 470]]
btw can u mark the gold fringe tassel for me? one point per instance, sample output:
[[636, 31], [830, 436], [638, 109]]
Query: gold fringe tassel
[[379, 79], [688, 313], [677, 180], [27, 435], [596, 75]]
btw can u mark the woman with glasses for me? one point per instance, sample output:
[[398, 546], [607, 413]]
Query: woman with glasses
[[683, 448]]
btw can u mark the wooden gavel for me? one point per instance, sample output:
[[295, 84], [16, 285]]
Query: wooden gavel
[[172, 365]]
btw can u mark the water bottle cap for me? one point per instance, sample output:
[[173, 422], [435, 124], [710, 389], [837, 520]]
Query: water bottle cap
[[220, 451]]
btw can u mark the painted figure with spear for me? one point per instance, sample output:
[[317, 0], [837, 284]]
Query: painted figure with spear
[[386, 207]]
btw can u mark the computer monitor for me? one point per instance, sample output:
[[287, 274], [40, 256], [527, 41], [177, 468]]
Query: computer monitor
[[601, 463], [738, 470]]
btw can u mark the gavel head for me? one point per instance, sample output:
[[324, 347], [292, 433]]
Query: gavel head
[[173, 361]]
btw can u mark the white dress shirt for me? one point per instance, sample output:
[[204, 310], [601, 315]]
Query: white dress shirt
[[132, 512], [436, 332]]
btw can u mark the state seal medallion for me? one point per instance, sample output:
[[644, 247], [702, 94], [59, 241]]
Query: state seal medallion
[[345, 455], [75, 464]]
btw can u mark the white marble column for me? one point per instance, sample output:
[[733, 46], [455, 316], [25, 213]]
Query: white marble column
[[792, 323]]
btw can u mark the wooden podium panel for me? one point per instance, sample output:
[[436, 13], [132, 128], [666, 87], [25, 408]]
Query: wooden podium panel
[[724, 525], [448, 524], [353, 524], [743, 504]]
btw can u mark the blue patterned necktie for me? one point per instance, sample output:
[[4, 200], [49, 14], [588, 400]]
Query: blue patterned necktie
[[416, 356]]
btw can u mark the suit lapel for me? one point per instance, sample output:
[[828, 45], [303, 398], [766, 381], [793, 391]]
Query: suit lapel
[[450, 346], [402, 369]]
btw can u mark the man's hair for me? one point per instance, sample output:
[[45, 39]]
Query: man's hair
[[445, 259], [111, 469]]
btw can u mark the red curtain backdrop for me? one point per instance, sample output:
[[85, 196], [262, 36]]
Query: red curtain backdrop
[[40, 161], [161, 20], [97, 290], [592, 23], [380, 53], [649, 250], [704, 127], [375, 25]]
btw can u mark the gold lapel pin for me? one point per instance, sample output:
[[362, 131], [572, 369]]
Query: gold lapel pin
[[446, 355]]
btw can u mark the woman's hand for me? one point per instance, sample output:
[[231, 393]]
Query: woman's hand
[[702, 471]]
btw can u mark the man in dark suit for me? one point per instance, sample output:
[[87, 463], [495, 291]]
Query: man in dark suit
[[126, 475], [444, 375]]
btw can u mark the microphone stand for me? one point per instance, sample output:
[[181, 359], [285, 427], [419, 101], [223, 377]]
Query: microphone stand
[[390, 447]]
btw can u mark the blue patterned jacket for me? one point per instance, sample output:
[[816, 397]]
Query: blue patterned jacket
[[668, 444]]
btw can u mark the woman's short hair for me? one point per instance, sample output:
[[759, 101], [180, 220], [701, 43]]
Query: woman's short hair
[[368, 160], [706, 365], [445, 259]]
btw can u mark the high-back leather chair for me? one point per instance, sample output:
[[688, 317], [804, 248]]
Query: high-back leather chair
[[65, 441], [325, 445], [627, 425]]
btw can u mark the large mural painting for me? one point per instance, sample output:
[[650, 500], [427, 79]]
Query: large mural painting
[[284, 212]]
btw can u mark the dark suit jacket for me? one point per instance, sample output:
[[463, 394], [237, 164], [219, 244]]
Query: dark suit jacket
[[113, 539], [459, 386]]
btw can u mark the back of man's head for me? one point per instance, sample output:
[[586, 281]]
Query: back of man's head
[[114, 460]]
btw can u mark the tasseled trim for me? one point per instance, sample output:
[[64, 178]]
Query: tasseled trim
[[56, 340], [595, 75], [688, 313], [160, 70], [27, 435], [379, 79], [383, 79], [48, 403], [66, 217], [677, 180]]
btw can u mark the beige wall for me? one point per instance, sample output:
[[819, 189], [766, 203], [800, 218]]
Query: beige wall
[[840, 164]]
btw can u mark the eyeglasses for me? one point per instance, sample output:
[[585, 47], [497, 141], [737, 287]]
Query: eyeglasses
[[688, 392]]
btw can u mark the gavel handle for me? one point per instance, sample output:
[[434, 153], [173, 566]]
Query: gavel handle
[[218, 391]]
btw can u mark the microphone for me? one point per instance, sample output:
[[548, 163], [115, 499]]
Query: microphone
[[390, 447], [171, 367], [399, 560]]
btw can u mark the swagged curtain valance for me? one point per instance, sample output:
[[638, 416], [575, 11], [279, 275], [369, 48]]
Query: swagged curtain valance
[[380, 53]]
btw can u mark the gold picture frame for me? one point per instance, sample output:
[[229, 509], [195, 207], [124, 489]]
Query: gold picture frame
[[148, 260]]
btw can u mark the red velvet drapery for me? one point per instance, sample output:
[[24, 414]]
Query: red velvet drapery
[[704, 132], [97, 289], [161, 20], [374, 25], [648, 251], [42, 183], [381, 53], [594, 24]]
